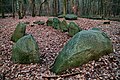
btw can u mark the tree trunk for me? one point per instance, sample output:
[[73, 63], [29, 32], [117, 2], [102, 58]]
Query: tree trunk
[[20, 9], [2, 9], [101, 8], [64, 7], [33, 8], [13, 8], [55, 7], [41, 7], [77, 7], [83, 8], [58, 7]]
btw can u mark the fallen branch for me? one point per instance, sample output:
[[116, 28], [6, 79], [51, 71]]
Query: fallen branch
[[62, 76]]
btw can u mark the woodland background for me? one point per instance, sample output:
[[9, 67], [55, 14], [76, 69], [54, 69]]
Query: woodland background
[[51, 41], [107, 9]]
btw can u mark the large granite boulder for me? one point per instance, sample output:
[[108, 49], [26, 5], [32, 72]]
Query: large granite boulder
[[25, 50], [64, 26], [56, 23], [71, 17], [82, 48], [19, 32], [49, 22], [73, 28]]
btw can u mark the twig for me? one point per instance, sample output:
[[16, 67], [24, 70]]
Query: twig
[[57, 76]]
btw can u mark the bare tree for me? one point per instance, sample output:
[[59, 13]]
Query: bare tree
[[2, 8], [13, 8], [64, 7], [41, 7], [33, 8]]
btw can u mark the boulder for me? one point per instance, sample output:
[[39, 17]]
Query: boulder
[[56, 23], [82, 48], [61, 16], [39, 22], [49, 22], [73, 28], [19, 32], [25, 50], [64, 26], [71, 17], [26, 22]]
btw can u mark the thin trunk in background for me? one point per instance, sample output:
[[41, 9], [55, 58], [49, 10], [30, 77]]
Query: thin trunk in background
[[55, 7], [77, 7], [2, 9], [13, 8], [64, 7], [40, 7], [33, 8], [20, 9], [101, 9], [58, 6], [83, 10]]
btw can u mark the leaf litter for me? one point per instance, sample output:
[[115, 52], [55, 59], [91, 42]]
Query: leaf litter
[[50, 42]]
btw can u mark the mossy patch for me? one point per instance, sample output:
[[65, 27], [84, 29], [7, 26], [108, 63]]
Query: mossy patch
[[25, 50], [19, 32], [82, 48]]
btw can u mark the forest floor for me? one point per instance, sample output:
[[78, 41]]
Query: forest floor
[[50, 42]]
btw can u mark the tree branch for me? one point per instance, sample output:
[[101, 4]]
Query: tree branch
[[58, 76]]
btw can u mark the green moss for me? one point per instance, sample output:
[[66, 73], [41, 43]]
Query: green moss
[[73, 28], [19, 32], [64, 26], [49, 22], [96, 29], [71, 17], [56, 23], [25, 50], [82, 48], [61, 16]]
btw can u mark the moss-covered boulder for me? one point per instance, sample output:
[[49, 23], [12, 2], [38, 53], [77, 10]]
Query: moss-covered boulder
[[25, 50], [64, 26], [94, 28], [39, 22], [19, 32], [71, 17], [49, 22], [56, 23], [73, 28], [61, 16], [82, 48]]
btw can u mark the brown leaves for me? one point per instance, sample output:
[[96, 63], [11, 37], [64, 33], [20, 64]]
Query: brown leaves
[[50, 42]]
